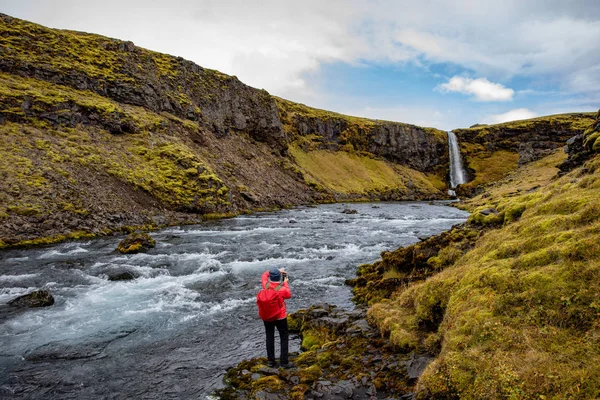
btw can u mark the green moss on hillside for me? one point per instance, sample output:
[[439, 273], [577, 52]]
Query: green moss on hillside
[[591, 136], [41, 152], [571, 121], [347, 173], [518, 315], [491, 152]]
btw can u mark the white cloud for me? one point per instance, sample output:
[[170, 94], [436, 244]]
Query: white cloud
[[512, 115], [481, 88]]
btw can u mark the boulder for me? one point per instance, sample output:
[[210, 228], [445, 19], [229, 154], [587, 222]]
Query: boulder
[[349, 211], [39, 298], [489, 211], [122, 276], [136, 243]]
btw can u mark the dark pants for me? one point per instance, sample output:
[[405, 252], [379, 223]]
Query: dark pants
[[282, 327]]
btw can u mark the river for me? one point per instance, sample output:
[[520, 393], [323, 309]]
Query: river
[[191, 313]]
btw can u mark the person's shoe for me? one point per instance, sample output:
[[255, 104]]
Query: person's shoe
[[287, 365], [272, 364]]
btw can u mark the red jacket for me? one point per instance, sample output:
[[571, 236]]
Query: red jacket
[[284, 291]]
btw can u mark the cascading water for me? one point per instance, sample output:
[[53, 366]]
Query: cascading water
[[458, 175]]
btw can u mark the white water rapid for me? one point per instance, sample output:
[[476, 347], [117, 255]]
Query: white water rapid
[[458, 174]]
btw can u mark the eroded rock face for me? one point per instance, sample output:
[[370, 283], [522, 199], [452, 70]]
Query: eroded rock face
[[531, 139], [405, 144], [135, 243], [39, 298], [581, 146]]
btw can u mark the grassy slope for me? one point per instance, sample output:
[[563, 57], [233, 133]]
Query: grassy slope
[[493, 165], [350, 171], [34, 150], [521, 310]]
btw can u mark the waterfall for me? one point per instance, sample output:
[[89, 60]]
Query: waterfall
[[458, 175]]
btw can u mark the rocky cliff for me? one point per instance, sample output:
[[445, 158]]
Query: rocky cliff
[[493, 151], [582, 146], [99, 135], [422, 149]]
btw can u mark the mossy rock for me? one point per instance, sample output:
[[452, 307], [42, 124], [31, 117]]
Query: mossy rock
[[39, 298], [136, 243]]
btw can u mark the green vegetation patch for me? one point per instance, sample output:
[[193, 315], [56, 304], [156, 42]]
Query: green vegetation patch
[[347, 173], [517, 316]]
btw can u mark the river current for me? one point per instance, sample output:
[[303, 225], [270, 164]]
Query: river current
[[191, 313]]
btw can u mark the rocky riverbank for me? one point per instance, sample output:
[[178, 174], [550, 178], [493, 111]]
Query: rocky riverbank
[[343, 357]]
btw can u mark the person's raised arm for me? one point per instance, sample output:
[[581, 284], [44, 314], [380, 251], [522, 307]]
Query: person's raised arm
[[264, 279]]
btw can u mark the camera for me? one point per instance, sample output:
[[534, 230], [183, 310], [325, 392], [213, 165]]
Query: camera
[[284, 275]]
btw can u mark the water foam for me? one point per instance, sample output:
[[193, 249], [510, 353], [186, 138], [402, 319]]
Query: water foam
[[17, 278], [56, 253]]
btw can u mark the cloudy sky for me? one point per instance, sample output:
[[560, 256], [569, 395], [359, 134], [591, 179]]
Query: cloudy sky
[[446, 64]]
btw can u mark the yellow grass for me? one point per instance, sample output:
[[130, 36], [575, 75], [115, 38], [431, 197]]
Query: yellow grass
[[348, 173]]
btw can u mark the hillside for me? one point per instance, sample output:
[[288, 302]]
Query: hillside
[[99, 135], [493, 151]]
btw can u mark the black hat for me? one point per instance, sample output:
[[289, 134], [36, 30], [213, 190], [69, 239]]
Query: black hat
[[274, 275]]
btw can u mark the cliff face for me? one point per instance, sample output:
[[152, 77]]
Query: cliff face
[[423, 149], [98, 135], [491, 152]]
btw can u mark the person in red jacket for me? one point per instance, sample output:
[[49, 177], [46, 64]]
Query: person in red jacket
[[276, 279]]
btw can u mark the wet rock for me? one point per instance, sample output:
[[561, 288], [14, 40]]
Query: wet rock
[[293, 221], [334, 324], [349, 211], [417, 364], [360, 327], [329, 258], [136, 243], [262, 395], [39, 298], [122, 276]]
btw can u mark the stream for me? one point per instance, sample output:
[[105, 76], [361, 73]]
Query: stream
[[191, 313]]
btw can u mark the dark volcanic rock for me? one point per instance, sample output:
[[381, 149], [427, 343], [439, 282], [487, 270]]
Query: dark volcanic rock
[[122, 276], [489, 211], [357, 363], [39, 298], [135, 243], [349, 211], [406, 144], [532, 139], [581, 146]]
